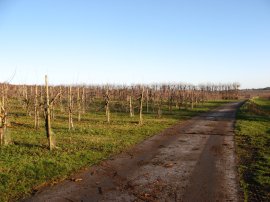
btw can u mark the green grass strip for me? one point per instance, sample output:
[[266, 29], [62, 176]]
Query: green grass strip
[[253, 143]]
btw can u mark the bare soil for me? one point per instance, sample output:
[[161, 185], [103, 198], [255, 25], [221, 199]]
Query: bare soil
[[192, 161]]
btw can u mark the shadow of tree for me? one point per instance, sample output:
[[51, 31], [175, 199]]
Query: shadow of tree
[[254, 118], [29, 145], [21, 125]]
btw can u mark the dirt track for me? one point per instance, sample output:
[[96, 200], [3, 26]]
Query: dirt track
[[192, 161]]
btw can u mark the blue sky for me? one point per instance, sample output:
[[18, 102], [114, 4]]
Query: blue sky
[[135, 41]]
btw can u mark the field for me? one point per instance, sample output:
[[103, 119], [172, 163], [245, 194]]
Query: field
[[27, 164], [253, 143]]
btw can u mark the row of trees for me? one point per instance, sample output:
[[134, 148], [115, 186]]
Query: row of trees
[[45, 101]]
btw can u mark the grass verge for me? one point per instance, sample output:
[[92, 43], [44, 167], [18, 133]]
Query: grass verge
[[253, 143]]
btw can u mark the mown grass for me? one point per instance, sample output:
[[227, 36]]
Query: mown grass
[[27, 163], [253, 143]]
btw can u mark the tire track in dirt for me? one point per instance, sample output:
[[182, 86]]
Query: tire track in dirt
[[192, 161]]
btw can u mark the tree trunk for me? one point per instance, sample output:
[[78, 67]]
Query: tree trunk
[[83, 100], [70, 119], [79, 104], [192, 99], [130, 107], [159, 111], [36, 109], [3, 116], [141, 108], [61, 100], [147, 101], [107, 101], [3, 124], [48, 115]]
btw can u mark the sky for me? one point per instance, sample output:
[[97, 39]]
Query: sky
[[135, 41]]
